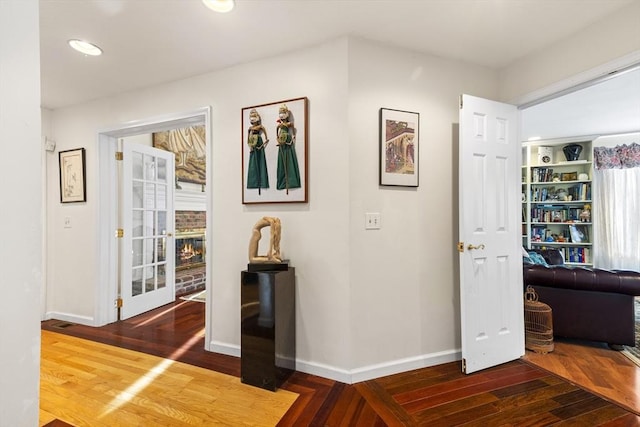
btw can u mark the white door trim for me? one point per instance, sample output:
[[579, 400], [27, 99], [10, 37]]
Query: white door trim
[[107, 208], [577, 81]]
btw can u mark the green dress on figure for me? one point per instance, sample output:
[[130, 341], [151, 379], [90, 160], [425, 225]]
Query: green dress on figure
[[257, 172], [257, 169], [288, 172]]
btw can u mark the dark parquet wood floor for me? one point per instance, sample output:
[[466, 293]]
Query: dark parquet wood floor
[[513, 394]]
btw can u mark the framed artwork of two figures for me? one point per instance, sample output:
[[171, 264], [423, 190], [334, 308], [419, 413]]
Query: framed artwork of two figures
[[274, 152]]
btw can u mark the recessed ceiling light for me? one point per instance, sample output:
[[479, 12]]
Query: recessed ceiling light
[[222, 6], [85, 47]]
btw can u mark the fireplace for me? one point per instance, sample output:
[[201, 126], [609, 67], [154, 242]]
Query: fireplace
[[190, 248], [190, 251]]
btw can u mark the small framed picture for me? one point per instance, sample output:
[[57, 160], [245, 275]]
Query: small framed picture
[[545, 155], [274, 152], [72, 176], [569, 176], [399, 146], [578, 234]]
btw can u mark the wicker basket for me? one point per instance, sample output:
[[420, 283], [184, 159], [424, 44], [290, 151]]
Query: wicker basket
[[538, 323]]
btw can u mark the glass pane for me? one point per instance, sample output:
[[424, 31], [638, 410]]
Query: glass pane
[[150, 196], [150, 167], [136, 165], [137, 225], [162, 196], [136, 252], [149, 279], [149, 223], [161, 276], [161, 249], [137, 195], [136, 282], [161, 228], [149, 251], [162, 170]]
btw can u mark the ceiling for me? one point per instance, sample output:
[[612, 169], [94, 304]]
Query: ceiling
[[149, 42]]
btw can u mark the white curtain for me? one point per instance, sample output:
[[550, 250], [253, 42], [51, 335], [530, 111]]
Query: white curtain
[[616, 195]]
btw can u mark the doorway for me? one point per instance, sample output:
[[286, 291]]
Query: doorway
[[109, 205]]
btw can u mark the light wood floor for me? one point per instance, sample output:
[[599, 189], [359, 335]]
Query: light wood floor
[[86, 383], [518, 393], [594, 367]]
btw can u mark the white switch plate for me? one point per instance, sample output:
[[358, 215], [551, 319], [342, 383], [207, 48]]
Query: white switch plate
[[372, 221], [67, 222]]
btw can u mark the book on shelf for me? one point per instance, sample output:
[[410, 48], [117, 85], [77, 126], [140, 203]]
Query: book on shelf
[[578, 255], [541, 175]]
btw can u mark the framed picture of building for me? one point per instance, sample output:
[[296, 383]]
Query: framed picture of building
[[274, 152], [399, 145]]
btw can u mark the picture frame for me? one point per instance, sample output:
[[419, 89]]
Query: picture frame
[[189, 146], [73, 187], [399, 148], [275, 152], [578, 233], [569, 176], [545, 155]]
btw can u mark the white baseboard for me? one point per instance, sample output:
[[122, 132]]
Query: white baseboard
[[225, 348], [360, 374], [379, 370], [404, 365], [72, 318]]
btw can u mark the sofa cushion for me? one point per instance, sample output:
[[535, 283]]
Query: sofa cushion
[[583, 279]]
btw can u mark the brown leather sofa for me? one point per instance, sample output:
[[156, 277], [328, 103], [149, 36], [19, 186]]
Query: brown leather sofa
[[587, 303]]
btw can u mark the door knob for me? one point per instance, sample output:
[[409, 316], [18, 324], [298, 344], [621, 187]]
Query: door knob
[[480, 246]]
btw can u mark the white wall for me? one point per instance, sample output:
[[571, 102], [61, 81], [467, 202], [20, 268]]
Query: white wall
[[314, 235], [404, 291], [614, 140], [20, 216], [609, 107], [615, 37], [363, 298]]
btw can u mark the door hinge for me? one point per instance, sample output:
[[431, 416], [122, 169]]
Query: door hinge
[[119, 233], [119, 155], [464, 366], [119, 302], [460, 246], [460, 100]]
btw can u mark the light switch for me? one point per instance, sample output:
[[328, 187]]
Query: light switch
[[372, 221], [67, 222]]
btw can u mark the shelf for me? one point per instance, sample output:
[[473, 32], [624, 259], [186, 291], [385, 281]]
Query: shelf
[[560, 223], [546, 198], [579, 264], [560, 182], [560, 244], [561, 164], [557, 202]]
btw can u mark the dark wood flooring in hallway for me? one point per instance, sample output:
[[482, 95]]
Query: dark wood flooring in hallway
[[516, 393]]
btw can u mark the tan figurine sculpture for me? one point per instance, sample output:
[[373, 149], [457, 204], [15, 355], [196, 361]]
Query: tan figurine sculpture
[[273, 255]]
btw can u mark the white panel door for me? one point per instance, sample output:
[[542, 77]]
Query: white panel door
[[491, 294], [147, 264]]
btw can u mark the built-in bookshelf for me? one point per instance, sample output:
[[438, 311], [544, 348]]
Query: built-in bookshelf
[[557, 198]]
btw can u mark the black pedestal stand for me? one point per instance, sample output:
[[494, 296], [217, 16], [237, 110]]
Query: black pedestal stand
[[268, 328]]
